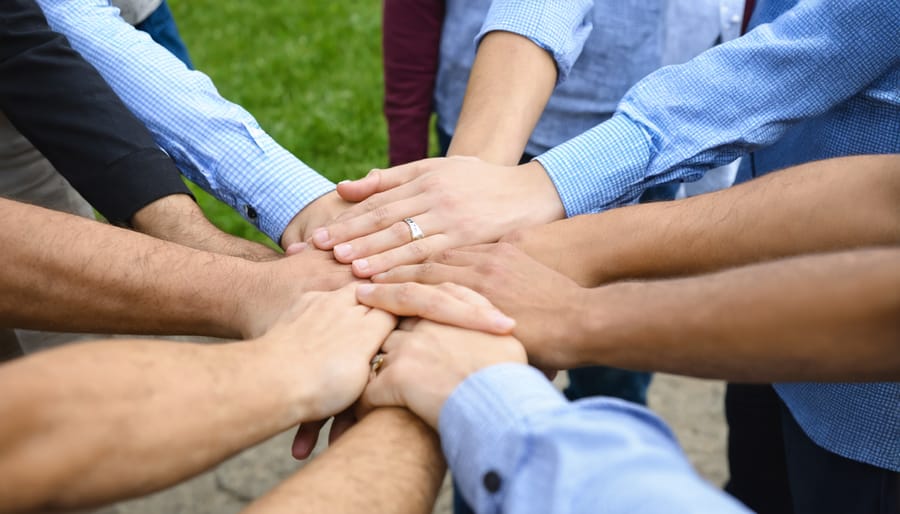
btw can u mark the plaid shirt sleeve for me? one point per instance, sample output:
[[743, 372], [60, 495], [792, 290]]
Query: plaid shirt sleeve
[[214, 142], [737, 97]]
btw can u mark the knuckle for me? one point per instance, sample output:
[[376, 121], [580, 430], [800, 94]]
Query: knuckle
[[515, 237], [432, 182], [381, 216], [405, 293], [424, 270], [400, 230], [418, 251]]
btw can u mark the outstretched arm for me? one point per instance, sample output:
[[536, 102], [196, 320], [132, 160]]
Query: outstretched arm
[[820, 206], [62, 272], [388, 462], [509, 86], [96, 422], [821, 317]]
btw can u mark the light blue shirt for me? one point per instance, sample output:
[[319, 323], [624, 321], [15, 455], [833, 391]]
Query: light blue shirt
[[617, 43], [214, 142], [515, 444], [814, 79]]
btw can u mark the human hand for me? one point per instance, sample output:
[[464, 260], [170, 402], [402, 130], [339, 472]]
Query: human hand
[[456, 201], [178, 218], [423, 362], [447, 303], [564, 246], [324, 343], [274, 286], [545, 304], [318, 213]]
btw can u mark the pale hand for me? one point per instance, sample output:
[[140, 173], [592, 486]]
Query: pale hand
[[425, 361], [456, 201]]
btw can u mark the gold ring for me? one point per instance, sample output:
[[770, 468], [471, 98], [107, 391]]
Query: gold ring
[[377, 362]]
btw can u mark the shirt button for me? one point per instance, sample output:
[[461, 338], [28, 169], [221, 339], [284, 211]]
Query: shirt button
[[492, 481], [251, 212], [736, 19]]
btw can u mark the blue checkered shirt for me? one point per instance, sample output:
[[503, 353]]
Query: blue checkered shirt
[[814, 79], [540, 453], [214, 142]]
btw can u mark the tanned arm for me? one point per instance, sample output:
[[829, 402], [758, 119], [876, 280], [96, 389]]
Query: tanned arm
[[829, 317], [62, 272], [96, 422], [820, 206], [390, 461]]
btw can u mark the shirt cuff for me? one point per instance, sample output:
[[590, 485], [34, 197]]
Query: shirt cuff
[[267, 184], [130, 184], [603, 168], [478, 422], [560, 28]]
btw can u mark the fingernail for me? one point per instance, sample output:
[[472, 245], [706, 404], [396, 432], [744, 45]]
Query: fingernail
[[321, 236], [365, 289], [345, 181], [371, 170], [343, 251], [379, 277], [502, 322], [361, 265]]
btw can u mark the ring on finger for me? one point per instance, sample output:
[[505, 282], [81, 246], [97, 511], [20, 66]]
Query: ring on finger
[[414, 230], [377, 362]]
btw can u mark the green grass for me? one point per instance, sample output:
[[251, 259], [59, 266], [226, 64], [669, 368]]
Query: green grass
[[309, 71]]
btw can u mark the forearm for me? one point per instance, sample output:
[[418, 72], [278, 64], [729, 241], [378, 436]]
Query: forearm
[[389, 462], [509, 86], [179, 219], [821, 206], [65, 273], [830, 317], [92, 423], [215, 143]]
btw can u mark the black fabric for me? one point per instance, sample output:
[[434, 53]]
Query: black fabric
[[756, 458], [62, 105], [823, 482]]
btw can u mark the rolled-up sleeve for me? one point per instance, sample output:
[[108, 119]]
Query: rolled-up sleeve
[[215, 143], [561, 27]]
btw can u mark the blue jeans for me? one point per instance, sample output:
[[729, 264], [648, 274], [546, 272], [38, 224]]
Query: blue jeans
[[160, 26]]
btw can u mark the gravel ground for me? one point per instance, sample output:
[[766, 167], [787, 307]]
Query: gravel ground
[[692, 407]]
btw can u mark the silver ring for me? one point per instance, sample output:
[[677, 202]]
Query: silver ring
[[414, 229]]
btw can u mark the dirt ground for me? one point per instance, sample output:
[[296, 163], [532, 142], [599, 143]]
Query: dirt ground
[[692, 407]]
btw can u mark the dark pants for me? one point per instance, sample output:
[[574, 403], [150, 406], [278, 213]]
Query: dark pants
[[775, 468], [160, 26]]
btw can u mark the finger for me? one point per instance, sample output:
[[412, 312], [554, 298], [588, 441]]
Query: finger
[[425, 273], [435, 304], [377, 213], [410, 253], [306, 438], [295, 248], [380, 392], [342, 422], [379, 180], [465, 294], [394, 236]]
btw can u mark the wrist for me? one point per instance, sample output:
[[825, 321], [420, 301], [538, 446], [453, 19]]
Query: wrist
[[543, 201]]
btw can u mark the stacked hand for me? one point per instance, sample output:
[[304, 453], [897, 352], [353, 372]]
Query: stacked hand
[[455, 201], [544, 303]]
